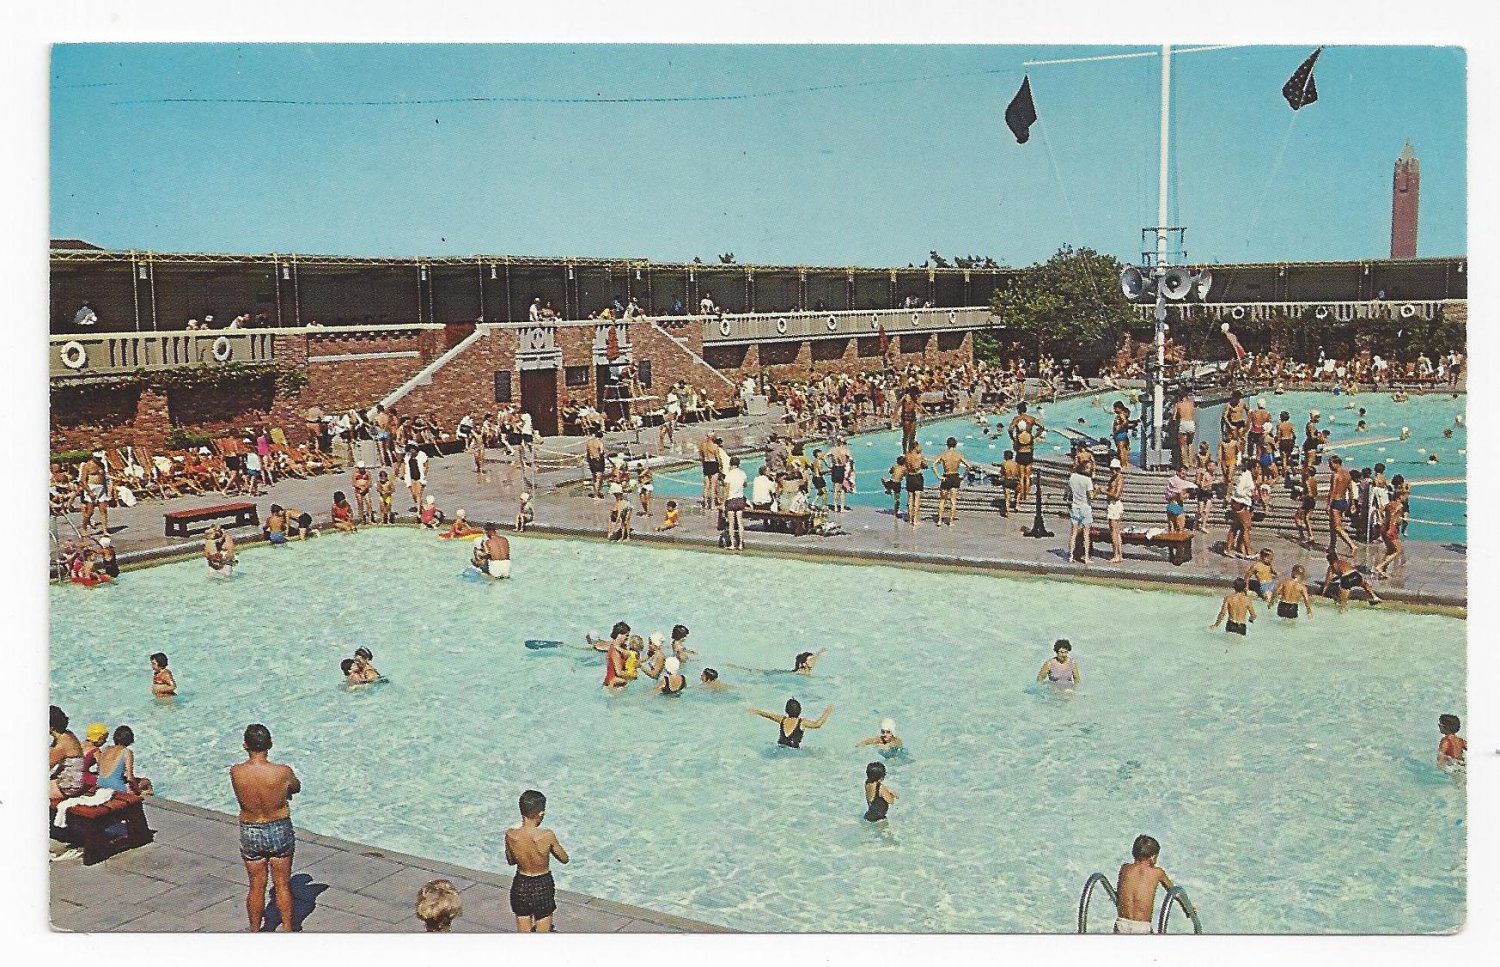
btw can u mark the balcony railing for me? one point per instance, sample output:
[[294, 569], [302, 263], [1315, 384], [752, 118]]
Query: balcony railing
[[774, 326], [117, 353]]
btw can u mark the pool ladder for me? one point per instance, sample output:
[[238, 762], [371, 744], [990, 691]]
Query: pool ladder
[[1177, 895]]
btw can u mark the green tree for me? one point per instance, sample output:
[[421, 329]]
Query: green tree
[[1069, 301]]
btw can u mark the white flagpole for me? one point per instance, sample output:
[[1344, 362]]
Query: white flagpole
[[1159, 389]]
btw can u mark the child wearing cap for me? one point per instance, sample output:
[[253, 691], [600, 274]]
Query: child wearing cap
[[887, 742], [672, 681], [524, 514], [430, 515]]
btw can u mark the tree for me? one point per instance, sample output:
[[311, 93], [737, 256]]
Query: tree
[[1071, 301]]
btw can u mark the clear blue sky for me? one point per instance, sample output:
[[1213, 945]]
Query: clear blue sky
[[875, 174]]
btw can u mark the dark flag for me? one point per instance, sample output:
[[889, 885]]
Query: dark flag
[[1020, 115], [1302, 90]]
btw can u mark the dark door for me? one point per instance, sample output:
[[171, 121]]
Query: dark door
[[539, 398]]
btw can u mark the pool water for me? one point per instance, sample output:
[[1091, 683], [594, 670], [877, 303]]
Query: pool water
[[1290, 780], [1438, 510]]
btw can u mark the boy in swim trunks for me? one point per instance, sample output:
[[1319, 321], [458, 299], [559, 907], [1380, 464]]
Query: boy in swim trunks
[[529, 848], [264, 790], [1343, 577], [1451, 749], [949, 463], [1135, 888], [1258, 580], [1291, 593], [1010, 481], [1238, 608], [387, 491]]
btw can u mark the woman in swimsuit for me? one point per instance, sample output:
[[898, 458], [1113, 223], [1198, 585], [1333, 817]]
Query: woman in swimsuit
[[1290, 593], [672, 682], [791, 725], [117, 765], [162, 681], [878, 796], [887, 743], [1390, 534], [1061, 670]]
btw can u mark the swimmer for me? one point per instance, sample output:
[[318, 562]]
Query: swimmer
[[1342, 577], [1258, 580], [1405, 433], [887, 742], [1135, 888], [1238, 608], [656, 659], [460, 526], [1291, 593], [163, 683], [680, 650], [791, 725], [614, 639], [710, 680], [352, 675], [492, 553], [218, 549], [362, 658], [1452, 750], [673, 681], [805, 661], [1060, 670], [878, 796]]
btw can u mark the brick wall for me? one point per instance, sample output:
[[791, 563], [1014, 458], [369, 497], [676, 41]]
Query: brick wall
[[800, 359]]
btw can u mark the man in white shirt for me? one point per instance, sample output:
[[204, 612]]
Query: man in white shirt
[[734, 503], [1080, 513], [535, 312], [763, 491]]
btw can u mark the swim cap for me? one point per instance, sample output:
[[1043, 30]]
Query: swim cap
[[887, 725], [105, 542], [525, 497], [460, 513], [672, 665], [429, 500], [97, 731]]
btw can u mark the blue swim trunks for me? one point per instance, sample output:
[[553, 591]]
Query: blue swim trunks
[[263, 841]]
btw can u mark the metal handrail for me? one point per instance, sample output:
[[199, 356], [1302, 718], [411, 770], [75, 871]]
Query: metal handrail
[[1179, 895], [1095, 879], [1175, 895]]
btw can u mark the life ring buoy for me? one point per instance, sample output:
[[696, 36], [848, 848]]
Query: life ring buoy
[[874, 321], [1321, 312], [916, 318], [1408, 310], [781, 327], [538, 338], [723, 327], [74, 356], [1238, 312], [952, 316], [833, 324], [223, 349]]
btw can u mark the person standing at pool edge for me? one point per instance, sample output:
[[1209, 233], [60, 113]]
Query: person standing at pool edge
[[1135, 887], [264, 790], [530, 848]]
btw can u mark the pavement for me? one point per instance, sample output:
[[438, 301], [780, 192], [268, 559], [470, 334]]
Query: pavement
[[1432, 575], [191, 880]]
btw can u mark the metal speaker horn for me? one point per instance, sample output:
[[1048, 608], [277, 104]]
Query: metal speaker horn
[[1135, 283], [1176, 284], [1202, 282]]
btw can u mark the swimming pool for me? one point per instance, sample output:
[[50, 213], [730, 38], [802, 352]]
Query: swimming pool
[[1290, 781], [1438, 510]]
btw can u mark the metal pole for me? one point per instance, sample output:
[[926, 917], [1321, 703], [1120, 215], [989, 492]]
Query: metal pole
[[1158, 387]]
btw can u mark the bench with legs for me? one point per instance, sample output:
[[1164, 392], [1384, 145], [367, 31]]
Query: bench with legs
[[1178, 544], [243, 512], [106, 829], [779, 520]]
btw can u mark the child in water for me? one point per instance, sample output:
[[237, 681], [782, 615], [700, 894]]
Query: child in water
[[878, 796], [1452, 750], [887, 742]]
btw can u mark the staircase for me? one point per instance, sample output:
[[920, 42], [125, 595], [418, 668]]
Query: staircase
[[699, 360], [424, 377]]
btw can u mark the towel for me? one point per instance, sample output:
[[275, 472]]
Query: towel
[[98, 797]]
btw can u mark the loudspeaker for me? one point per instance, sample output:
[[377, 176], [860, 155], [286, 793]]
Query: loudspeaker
[[1135, 283], [1176, 284]]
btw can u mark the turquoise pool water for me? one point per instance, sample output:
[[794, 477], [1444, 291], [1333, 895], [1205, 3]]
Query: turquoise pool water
[[1290, 781], [1438, 509]]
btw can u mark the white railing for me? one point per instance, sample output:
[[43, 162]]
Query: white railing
[[773, 326], [115, 353], [1330, 310]]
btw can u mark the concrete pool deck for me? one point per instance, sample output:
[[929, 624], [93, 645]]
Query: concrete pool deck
[[1432, 575], [191, 880]]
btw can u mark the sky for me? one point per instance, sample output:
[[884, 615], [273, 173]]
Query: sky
[[910, 154]]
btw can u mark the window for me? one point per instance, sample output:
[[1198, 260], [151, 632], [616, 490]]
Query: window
[[575, 375], [502, 386], [643, 372]]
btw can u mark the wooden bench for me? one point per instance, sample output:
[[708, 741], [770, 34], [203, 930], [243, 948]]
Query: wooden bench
[[243, 512], [90, 827], [1179, 545], [780, 520]]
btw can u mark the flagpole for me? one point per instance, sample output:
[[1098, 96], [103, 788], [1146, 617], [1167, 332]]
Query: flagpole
[[1158, 390]]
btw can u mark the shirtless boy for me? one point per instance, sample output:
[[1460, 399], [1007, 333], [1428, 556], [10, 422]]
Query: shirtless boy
[[1135, 888], [1343, 577], [1238, 608], [529, 848], [593, 451], [264, 790], [948, 464]]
